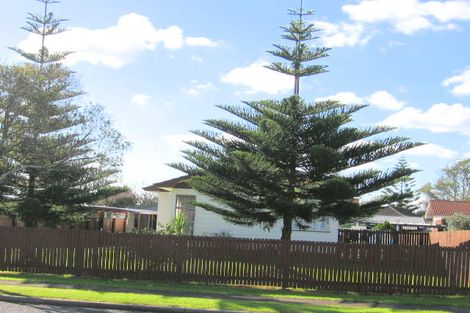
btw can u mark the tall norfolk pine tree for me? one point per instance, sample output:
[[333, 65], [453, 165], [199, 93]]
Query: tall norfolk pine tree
[[67, 153], [289, 161], [408, 204]]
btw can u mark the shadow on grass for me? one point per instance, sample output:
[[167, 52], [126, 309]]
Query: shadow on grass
[[295, 308], [276, 297]]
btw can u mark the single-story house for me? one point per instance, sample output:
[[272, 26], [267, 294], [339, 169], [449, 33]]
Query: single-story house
[[389, 214], [175, 195], [439, 210], [109, 219], [123, 220]]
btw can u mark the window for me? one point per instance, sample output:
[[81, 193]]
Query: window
[[319, 224], [153, 222], [185, 206]]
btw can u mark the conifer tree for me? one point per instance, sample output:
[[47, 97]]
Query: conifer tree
[[405, 187], [290, 161], [68, 153]]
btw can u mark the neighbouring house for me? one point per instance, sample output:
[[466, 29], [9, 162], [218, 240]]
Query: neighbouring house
[[439, 210], [389, 214], [175, 196], [123, 220], [109, 219]]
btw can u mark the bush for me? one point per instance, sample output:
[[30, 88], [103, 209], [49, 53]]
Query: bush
[[459, 222], [384, 226], [179, 225]]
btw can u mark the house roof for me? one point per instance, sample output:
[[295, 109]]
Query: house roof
[[123, 210], [391, 215], [178, 182], [448, 208], [396, 220], [389, 211]]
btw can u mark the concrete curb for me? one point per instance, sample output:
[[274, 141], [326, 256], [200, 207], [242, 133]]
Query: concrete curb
[[107, 306]]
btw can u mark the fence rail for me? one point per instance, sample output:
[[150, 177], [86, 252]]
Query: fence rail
[[407, 238], [298, 264]]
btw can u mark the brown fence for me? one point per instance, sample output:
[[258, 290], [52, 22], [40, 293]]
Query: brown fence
[[453, 238], [407, 238], [327, 266]]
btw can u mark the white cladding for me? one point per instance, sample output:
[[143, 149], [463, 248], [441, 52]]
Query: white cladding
[[210, 224]]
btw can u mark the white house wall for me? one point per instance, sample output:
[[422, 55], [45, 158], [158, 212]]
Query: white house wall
[[207, 223]]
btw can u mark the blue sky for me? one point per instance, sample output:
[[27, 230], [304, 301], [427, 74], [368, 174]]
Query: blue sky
[[160, 67]]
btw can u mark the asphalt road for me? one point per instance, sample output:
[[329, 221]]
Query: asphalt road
[[6, 307]]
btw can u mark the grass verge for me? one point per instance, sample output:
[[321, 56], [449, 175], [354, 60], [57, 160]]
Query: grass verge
[[190, 302], [219, 291]]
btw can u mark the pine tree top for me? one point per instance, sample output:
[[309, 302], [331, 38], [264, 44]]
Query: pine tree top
[[45, 24], [300, 32]]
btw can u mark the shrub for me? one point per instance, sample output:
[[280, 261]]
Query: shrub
[[384, 226], [459, 222]]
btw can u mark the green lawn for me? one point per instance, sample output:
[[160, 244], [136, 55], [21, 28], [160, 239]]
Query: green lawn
[[189, 302], [214, 295]]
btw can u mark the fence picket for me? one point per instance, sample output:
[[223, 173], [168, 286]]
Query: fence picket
[[365, 262]]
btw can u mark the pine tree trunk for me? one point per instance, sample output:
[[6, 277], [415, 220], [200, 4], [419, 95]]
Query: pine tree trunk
[[286, 228]]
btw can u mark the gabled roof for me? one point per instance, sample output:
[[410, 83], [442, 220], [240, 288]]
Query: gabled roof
[[448, 208], [393, 216], [389, 211], [178, 182]]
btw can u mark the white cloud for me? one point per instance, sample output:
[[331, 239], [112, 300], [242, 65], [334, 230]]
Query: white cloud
[[385, 100], [197, 88], [116, 45], [381, 99], [200, 41], [432, 150], [347, 97], [439, 118], [140, 100], [466, 155], [410, 16], [343, 34], [257, 78], [460, 84]]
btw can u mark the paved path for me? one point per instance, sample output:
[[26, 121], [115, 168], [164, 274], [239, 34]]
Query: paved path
[[6, 307]]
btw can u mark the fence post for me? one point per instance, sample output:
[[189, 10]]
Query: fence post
[[285, 266], [79, 254], [180, 251]]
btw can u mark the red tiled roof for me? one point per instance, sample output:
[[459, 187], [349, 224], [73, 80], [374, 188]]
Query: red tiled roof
[[449, 208]]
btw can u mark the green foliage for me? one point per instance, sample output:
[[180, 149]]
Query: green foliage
[[454, 183], [57, 155], [458, 222], [290, 160], [144, 231], [385, 226], [405, 188], [177, 226]]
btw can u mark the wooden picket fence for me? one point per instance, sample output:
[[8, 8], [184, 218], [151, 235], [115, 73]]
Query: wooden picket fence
[[407, 238], [296, 264]]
